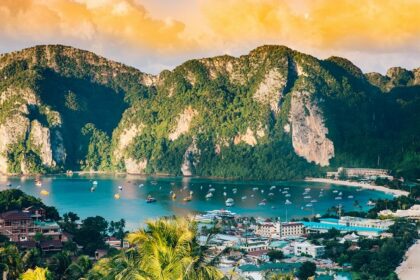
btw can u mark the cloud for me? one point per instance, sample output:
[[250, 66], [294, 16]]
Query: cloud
[[324, 24], [124, 20]]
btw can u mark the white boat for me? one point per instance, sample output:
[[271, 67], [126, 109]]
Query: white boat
[[95, 182], [252, 195], [309, 205], [272, 188], [338, 198], [229, 202], [335, 191], [307, 189], [120, 188], [141, 185], [350, 196], [284, 192], [262, 203], [287, 195], [314, 201], [224, 194], [262, 191], [244, 197], [234, 190], [340, 193], [286, 188], [371, 203], [255, 189], [307, 197], [288, 202], [92, 189], [209, 195], [212, 189], [271, 194]]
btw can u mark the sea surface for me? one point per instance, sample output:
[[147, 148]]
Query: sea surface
[[74, 194]]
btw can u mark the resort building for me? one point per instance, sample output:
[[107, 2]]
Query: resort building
[[20, 226], [412, 213], [365, 227], [292, 229], [306, 248], [368, 173], [280, 230], [253, 245]]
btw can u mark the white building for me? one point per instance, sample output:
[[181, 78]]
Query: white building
[[362, 222], [369, 173], [413, 213], [308, 249], [253, 245], [279, 230], [292, 229]]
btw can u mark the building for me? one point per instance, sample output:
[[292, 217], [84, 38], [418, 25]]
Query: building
[[253, 245], [362, 222], [292, 229], [412, 213], [268, 230], [306, 248], [280, 230], [16, 225], [20, 226], [368, 173], [365, 228]]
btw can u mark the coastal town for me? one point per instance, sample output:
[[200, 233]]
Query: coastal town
[[245, 247]]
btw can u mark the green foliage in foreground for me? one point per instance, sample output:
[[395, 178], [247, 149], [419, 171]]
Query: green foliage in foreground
[[165, 249]]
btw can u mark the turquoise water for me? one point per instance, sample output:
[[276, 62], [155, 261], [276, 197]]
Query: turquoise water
[[73, 194]]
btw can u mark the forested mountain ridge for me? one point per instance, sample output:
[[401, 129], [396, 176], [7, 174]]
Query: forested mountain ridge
[[274, 113]]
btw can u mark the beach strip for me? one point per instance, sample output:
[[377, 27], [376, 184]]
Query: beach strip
[[360, 185], [409, 269]]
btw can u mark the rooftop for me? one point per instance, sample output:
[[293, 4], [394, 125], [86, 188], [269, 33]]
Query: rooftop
[[15, 215], [325, 226]]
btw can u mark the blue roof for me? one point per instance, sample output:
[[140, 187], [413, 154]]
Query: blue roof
[[315, 225], [330, 220]]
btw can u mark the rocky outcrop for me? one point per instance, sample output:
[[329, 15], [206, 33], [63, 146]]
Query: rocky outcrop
[[125, 138], [309, 134], [270, 90], [133, 166], [191, 159], [249, 137], [183, 123]]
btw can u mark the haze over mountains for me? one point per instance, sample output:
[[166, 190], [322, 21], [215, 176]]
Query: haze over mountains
[[274, 113]]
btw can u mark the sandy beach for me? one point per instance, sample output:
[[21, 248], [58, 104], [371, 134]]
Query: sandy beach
[[410, 268], [360, 185]]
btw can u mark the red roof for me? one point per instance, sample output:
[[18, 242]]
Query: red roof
[[258, 253], [15, 215]]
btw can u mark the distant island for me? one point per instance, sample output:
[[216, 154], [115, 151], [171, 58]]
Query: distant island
[[275, 113]]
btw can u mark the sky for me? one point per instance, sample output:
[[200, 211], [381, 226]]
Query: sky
[[153, 35]]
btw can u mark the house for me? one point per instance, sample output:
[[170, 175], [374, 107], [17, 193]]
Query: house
[[51, 245], [307, 248], [16, 225], [268, 229], [116, 243], [292, 229], [254, 244]]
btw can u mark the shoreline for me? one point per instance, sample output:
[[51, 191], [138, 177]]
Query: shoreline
[[360, 185], [409, 269]]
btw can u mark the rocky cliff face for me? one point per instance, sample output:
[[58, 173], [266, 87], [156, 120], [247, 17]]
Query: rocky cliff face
[[274, 113]]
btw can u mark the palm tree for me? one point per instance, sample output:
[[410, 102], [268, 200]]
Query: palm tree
[[165, 249], [38, 273], [12, 262], [278, 276]]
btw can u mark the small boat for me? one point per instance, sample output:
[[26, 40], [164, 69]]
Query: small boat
[[307, 189], [287, 195], [340, 193], [120, 188], [141, 185], [288, 202], [338, 198], [286, 188], [255, 189], [307, 197], [154, 183], [350, 196], [44, 192], [252, 195], [209, 195], [234, 190], [212, 190], [371, 203], [150, 199], [335, 191], [262, 203], [187, 199], [244, 197], [173, 196], [314, 201], [38, 183], [272, 188], [224, 194], [201, 187], [117, 196], [229, 202], [224, 187], [271, 194], [9, 184], [262, 191], [309, 205], [284, 192], [95, 182], [92, 189]]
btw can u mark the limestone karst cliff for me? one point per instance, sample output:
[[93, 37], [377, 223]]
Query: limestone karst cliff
[[273, 113]]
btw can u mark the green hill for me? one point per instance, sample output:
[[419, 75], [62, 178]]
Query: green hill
[[274, 113]]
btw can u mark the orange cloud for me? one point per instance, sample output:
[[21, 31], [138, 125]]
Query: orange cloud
[[124, 20], [325, 24]]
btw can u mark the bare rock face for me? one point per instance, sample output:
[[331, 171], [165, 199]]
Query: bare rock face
[[12, 131], [40, 138], [309, 134], [183, 124], [133, 166], [249, 137], [191, 158], [271, 89], [126, 138]]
